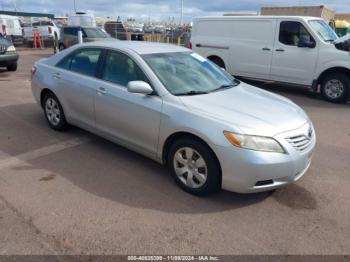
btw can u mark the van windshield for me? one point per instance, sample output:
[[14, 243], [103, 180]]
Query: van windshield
[[94, 33], [323, 30], [186, 73]]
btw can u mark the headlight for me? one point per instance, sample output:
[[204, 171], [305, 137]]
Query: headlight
[[258, 143], [11, 49]]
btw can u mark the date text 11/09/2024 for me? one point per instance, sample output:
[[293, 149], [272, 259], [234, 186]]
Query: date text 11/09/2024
[[173, 258]]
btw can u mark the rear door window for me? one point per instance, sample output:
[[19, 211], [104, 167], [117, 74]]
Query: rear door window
[[82, 61]]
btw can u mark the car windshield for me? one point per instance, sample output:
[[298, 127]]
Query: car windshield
[[94, 33], [186, 73], [323, 30]]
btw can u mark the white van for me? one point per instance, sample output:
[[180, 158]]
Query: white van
[[297, 50], [82, 19], [10, 27]]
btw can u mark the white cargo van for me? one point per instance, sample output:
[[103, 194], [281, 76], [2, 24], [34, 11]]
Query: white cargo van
[[82, 19], [10, 27], [297, 50]]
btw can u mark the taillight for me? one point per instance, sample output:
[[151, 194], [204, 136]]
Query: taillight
[[189, 45], [33, 70], [50, 30], [3, 29]]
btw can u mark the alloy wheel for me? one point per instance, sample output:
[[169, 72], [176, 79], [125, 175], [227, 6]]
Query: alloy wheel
[[190, 167], [53, 112], [334, 88]]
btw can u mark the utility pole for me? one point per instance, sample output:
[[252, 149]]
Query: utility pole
[[75, 8], [182, 12]]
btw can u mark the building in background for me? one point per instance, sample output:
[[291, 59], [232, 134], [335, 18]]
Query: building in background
[[316, 11], [343, 17]]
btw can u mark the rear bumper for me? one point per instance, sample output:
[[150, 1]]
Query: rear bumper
[[8, 59]]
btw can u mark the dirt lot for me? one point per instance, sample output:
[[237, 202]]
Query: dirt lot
[[75, 193]]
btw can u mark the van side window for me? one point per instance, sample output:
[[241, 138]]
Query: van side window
[[292, 32], [72, 31]]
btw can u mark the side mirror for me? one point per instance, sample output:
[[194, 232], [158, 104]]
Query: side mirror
[[139, 87], [306, 44]]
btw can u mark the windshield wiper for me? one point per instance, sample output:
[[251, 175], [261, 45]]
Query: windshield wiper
[[192, 93], [223, 87]]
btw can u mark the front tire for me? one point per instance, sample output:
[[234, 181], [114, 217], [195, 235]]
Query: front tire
[[54, 112], [335, 87], [61, 47], [12, 67], [194, 167]]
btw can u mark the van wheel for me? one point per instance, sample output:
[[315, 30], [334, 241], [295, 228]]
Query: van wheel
[[194, 167], [54, 112], [12, 67], [218, 61], [335, 87]]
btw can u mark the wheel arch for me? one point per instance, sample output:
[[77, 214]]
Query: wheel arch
[[338, 69], [180, 135], [43, 93], [218, 58]]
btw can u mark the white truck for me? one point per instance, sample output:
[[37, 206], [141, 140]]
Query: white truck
[[48, 30], [290, 49]]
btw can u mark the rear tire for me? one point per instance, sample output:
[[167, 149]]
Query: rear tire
[[194, 167], [12, 67], [54, 113], [335, 87]]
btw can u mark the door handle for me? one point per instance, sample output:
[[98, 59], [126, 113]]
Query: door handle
[[198, 45], [266, 49], [56, 75], [279, 50], [101, 91]]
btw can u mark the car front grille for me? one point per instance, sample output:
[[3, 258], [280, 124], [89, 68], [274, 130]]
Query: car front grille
[[300, 142]]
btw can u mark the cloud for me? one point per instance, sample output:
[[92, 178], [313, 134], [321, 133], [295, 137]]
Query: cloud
[[157, 9]]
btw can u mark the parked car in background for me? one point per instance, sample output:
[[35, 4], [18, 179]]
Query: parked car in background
[[117, 30], [49, 31], [178, 108], [295, 50], [8, 54], [81, 19], [10, 27], [69, 35]]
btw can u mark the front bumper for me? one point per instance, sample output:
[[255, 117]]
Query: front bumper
[[247, 171], [8, 59]]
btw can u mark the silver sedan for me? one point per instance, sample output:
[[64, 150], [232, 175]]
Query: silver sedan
[[178, 108]]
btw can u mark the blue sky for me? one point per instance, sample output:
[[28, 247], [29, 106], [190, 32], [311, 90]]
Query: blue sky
[[159, 9]]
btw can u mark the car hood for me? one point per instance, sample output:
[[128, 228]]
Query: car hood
[[249, 109]]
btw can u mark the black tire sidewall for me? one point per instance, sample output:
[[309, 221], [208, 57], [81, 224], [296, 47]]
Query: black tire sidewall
[[62, 125], [61, 47], [12, 67], [346, 83], [213, 178]]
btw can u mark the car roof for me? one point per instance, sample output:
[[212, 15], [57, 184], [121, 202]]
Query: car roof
[[139, 47]]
